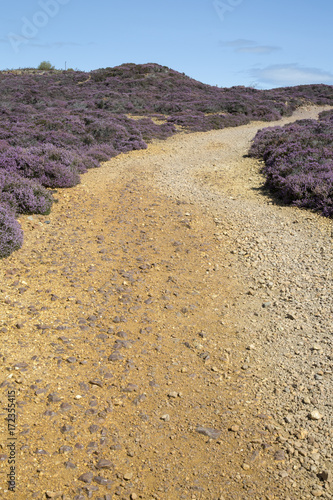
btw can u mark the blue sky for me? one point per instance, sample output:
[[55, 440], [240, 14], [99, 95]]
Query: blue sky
[[261, 43]]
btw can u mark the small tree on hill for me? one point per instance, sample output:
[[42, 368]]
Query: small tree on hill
[[45, 65]]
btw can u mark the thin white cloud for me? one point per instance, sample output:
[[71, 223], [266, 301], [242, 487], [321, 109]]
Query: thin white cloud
[[248, 46], [290, 75], [240, 42], [258, 49]]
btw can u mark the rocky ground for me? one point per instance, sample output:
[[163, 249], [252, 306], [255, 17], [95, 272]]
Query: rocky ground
[[166, 334]]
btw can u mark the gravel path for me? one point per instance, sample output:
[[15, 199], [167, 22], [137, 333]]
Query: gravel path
[[284, 258], [167, 332]]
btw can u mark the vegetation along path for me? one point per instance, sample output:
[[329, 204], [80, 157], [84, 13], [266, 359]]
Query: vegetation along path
[[166, 330]]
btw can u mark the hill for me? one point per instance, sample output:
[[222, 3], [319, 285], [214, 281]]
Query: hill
[[55, 125]]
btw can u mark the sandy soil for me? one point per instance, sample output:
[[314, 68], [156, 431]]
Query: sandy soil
[[166, 331]]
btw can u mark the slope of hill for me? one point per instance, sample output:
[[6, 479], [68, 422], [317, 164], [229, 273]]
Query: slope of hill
[[55, 125]]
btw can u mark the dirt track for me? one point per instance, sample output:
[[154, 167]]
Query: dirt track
[[162, 329]]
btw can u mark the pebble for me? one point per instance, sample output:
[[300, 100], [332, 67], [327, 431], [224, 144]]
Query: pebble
[[234, 428], [104, 464], [315, 415], [209, 432], [317, 492], [87, 477], [173, 394], [279, 456], [128, 476], [53, 494], [102, 480], [71, 359], [53, 398], [266, 304], [99, 383], [66, 428], [326, 476]]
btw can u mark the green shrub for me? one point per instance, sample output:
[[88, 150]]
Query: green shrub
[[46, 66]]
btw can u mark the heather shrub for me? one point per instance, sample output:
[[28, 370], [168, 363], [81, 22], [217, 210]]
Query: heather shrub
[[101, 152], [87, 162], [200, 122], [11, 234], [51, 166], [299, 162], [326, 116], [149, 130], [23, 195], [4, 145]]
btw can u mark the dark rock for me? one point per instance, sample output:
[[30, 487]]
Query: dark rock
[[53, 398], [131, 388], [40, 391], [86, 478], [104, 464], [84, 386], [209, 432], [102, 480], [70, 465], [93, 428], [102, 336], [204, 355], [66, 428], [71, 359], [91, 412], [19, 366], [43, 327], [115, 356], [122, 334], [115, 447], [326, 476], [92, 318], [65, 406], [92, 444], [279, 456], [99, 383], [65, 449], [49, 413], [65, 340], [139, 399]]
